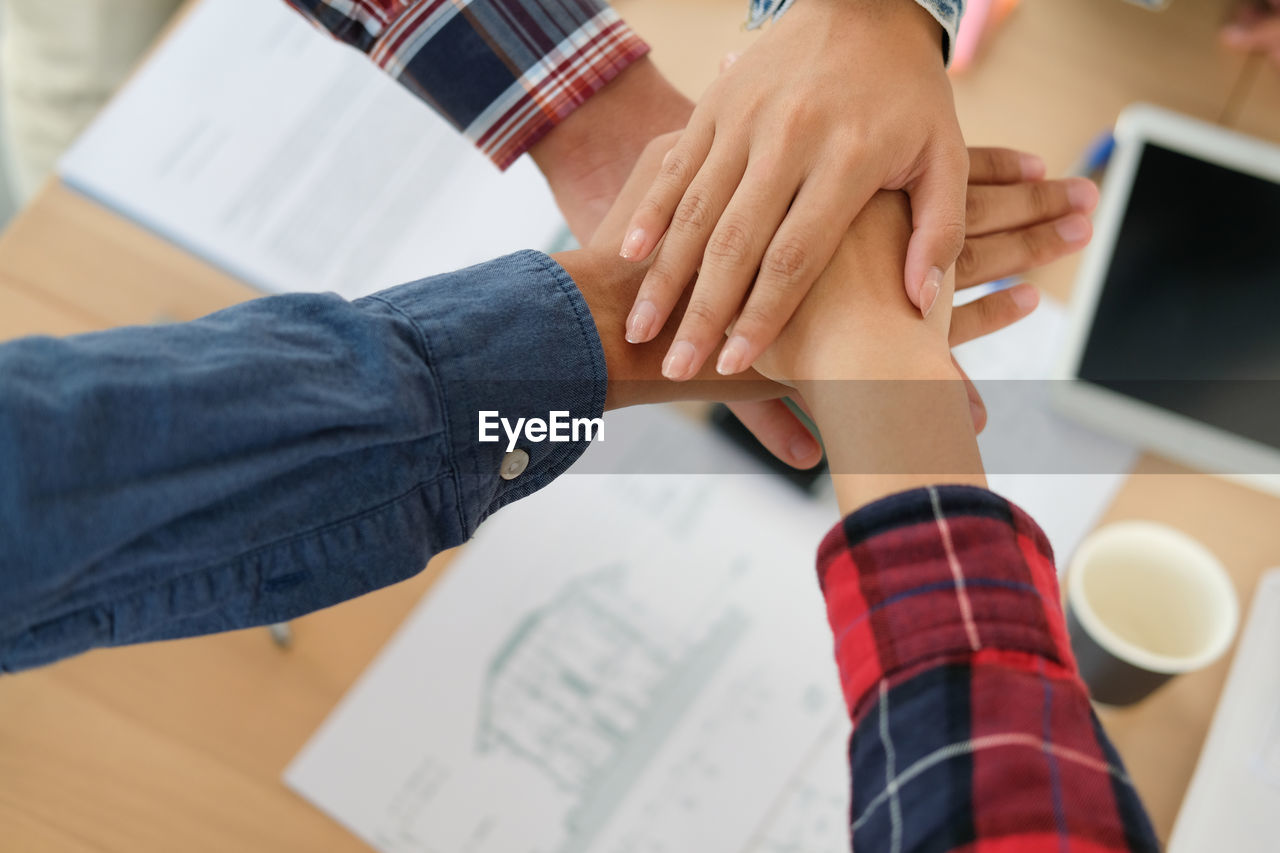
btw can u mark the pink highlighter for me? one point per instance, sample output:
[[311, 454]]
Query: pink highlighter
[[981, 17]]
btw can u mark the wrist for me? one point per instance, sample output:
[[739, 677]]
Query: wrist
[[900, 23], [587, 158], [888, 432]]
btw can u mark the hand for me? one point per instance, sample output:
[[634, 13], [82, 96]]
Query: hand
[[1255, 28], [1020, 224], [837, 100], [879, 381]]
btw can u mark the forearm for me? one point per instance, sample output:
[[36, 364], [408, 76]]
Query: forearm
[[588, 157], [894, 423], [274, 458], [485, 66], [291, 452], [971, 725]]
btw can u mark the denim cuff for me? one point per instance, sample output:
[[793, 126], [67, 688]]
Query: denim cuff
[[512, 338]]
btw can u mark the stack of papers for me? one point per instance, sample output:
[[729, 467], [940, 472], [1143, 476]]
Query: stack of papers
[[289, 160], [1234, 799], [620, 662]]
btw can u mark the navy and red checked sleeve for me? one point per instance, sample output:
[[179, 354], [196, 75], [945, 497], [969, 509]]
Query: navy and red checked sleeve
[[503, 72], [972, 728]]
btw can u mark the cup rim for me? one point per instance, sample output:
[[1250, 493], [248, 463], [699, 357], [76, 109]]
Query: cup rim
[[1121, 648]]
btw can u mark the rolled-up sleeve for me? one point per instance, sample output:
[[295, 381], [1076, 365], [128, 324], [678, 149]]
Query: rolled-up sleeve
[[503, 72], [274, 458]]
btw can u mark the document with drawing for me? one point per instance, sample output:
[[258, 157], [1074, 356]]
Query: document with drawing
[[621, 662]]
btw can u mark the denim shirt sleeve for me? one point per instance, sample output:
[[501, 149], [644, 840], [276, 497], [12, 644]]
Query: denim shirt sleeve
[[274, 458], [945, 12]]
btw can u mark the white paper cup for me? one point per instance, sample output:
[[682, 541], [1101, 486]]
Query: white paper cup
[[1146, 602]]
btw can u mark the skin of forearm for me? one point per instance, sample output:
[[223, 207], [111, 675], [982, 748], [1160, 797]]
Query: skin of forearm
[[587, 157], [885, 436]]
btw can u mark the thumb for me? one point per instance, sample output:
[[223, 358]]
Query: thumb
[[937, 218]]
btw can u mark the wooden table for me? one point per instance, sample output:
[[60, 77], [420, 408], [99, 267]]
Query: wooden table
[[180, 746]]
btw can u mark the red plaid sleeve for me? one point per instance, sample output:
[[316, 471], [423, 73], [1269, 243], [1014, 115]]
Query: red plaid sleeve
[[503, 72], [972, 729]]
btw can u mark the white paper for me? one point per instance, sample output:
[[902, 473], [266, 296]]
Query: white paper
[[1234, 799], [618, 663], [288, 159], [1012, 370]]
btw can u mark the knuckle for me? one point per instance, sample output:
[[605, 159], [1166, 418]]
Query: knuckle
[[701, 315], [1034, 245], [676, 169], [787, 259], [952, 235], [967, 261], [756, 322], [976, 206], [730, 244], [1043, 198], [694, 210], [985, 161], [660, 279], [650, 208]]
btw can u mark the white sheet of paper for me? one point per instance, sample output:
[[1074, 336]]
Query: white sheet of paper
[[1233, 802], [618, 663], [1011, 370], [291, 161]]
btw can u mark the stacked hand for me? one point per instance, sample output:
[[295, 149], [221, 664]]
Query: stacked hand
[[1255, 28], [1016, 224], [836, 101]]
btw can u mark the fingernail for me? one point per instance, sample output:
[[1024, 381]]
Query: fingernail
[[1033, 168], [640, 322], [733, 357], [632, 245], [1025, 296], [727, 62], [802, 447], [1073, 229], [678, 361], [1235, 36], [929, 290], [1082, 194]]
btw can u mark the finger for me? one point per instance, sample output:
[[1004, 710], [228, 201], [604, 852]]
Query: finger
[[977, 408], [989, 209], [728, 61], [797, 254], [937, 214], [780, 431], [654, 213], [729, 265], [682, 248], [1261, 35], [998, 255], [992, 313], [1003, 166]]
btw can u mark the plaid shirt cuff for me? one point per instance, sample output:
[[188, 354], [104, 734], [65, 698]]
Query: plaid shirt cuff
[[972, 730], [935, 575], [945, 12], [503, 72]]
